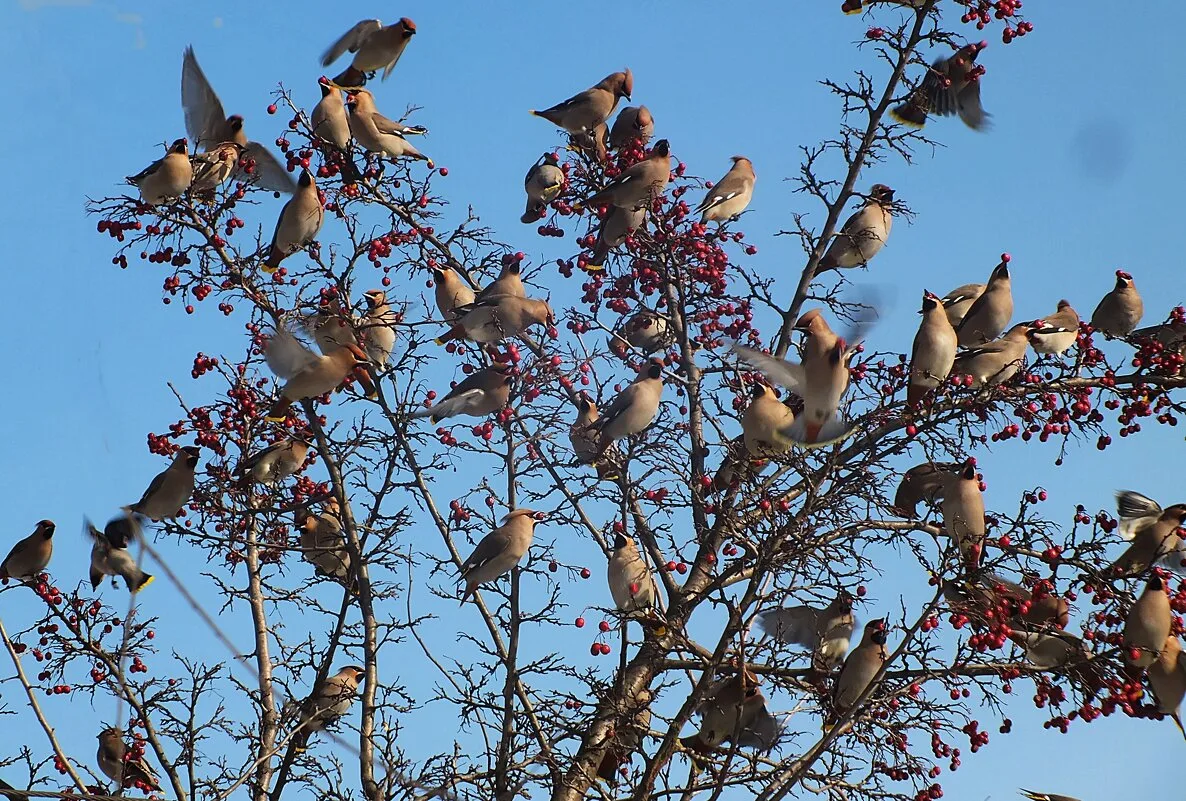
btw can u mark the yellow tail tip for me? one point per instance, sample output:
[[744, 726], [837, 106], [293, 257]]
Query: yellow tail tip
[[272, 419], [268, 268], [151, 578], [898, 118], [439, 341], [533, 112]]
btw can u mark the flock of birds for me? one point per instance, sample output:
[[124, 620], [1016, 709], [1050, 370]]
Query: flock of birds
[[964, 334]]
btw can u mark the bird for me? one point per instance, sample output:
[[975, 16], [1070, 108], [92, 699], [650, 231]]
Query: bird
[[825, 632], [170, 489], [1120, 311], [638, 184], [644, 332], [627, 736], [633, 409], [765, 423], [584, 112], [323, 544], [729, 196], [1167, 677], [110, 556], [209, 126], [378, 134], [733, 709], [377, 327], [1056, 333], [860, 667], [863, 234], [484, 392], [1051, 649], [1153, 532], [923, 482], [856, 6], [498, 318], [631, 584], [12, 794], [1171, 334], [963, 513], [509, 282], [298, 225], [331, 327], [30, 555], [990, 313], [309, 375], [116, 765], [994, 362], [951, 86], [1149, 622], [957, 302], [543, 184], [933, 353], [617, 224], [586, 442], [633, 125], [328, 703], [1036, 796], [986, 596], [329, 115], [277, 461], [821, 379], [500, 550], [166, 178], [375, 47], [212, 168], [450, 291]]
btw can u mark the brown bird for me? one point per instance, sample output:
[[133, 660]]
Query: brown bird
[[987, 596], [631, 584], [498, 318], [328, 703], [1056, 333], [863, 234], [644, 332], [963, 513], [166, 178], [377, 327], [627, 736], [586, 442], [765, 423], [332, 327], [452, 293], [1149, 622], [825, 632], [733, 709], [934, 349], [500, 550], [1120, 311], [375, 47], [1167, 677], [171, 488], [30, 555], [951, 86], [730, 196], [509, 282], [212, 168], [298, 225], [209, 126], [323, 545], [309, 375], [117, 765], [957, 302], [634, 124], [1153, 531], [860, 667], [378, 134], [923, 482], [639, 184], [329, 116], [634, 408], [1036, 796], [990, 313], [582, 113], [277, 461], [617, 224], [543, 184], [994, 362], [1171, 334], [482, 393]]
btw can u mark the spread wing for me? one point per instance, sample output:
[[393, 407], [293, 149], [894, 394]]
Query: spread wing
[[783, 373], [794, 625], [286, 355], [269, 173], [351, 40], [204, 115], [1133, 508]]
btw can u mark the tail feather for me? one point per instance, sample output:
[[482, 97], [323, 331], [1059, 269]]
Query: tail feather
[[456, 332], [145, 580], [910, 114]]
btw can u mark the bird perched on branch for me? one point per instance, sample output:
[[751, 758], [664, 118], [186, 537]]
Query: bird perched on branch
[[328, 704], [484, 392], [378, 134], [1120, 311], [116, 765], [633, 409], [864, 234], [172, 488], [543, 183], [731, 195], [634, 124], [638, 184], [168, 177], [500, 550], [582, 113], [30, 555], [298, 224], [1153, 532], [277, 461]]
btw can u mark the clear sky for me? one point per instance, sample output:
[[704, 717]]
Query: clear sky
[[1075, 180]]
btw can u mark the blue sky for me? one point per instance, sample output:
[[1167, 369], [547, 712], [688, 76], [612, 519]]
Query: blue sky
[[1075, 180]]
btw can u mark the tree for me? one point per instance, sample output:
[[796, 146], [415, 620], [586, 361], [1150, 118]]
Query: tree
[[806, 527]]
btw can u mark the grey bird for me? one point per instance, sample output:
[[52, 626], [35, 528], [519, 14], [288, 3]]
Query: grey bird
[[633, 409], [586, 443], [1167, 677], [214, 167], [584, 112], [480, 394], [172, 488], [1120, 311], [617, 224], [1153, 532], [923, 482], [628, 735], [377, 327], [298, 224], [113, 761], [450, 291], [1149, 622], [498, 318], [1056, 333], [323, 544], [208, 126], [277, 461], [1171, 334], [731, 195], [733, 709], [644, 332], [994, 362], [860, 667], [375, 47], [500, 550], [638, 184], [958, 301], [329, 703], [826, 632], [933, 353], [167, 178], [765, 424], [378, 134], [963, 513], [1050, 648], [110, 555], [991, 312], [509, 282], [329, 120], [863, 234], [30, 555], [1036, 796], [631, 584], [951, 86], [542, 183], [634, 124]]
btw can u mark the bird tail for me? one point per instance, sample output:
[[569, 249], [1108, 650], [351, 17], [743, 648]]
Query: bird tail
[[456, 332], [911, 113], [145, 580], [914, 394], [852, 7], [279, 410], [351, 78], [271, 264]]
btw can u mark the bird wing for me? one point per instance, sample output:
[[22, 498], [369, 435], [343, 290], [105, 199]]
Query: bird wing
[[764, 732], [491, 546], [351, 40], [157, 482], [564, 105], [286, 355], [726, 189], [204, 115], [1133, 508], [453, 404], [796, 625], [962, 293], [388, 126], [254, 459], [920, 483], [616, 407], [269, 173], [783, 373]]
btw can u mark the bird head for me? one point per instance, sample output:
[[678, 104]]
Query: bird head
[[235, 122], [758, 390], [625, 84], [620, 542], [110, 732], [191, 454], [929, 301], [1176, 512], [1064, 304], [811, 321], [179, 146], [354, 672], [881, 193], [306, 179], [662, 149], [408, 26], [654, 369], [1123, 279], [1000, 272], [875, 630], [1155, 583], [968, 472], [46, 527], [328, 87], [375, 298]]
